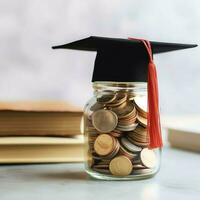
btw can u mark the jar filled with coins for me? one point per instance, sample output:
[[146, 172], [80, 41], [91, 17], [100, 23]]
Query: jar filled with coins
[[122, 141], [115, 129]]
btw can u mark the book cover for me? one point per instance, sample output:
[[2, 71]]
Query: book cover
[[41, 149], [42, 118]]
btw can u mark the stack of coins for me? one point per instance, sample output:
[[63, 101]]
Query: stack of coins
[[118, 140], [139, 136]]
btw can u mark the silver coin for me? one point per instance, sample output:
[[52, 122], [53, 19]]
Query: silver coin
[[148, 158], [138, 166], [127, 128], [130, 146], [142, 171], [103, 171]]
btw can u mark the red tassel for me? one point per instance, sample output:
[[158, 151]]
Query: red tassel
[[153, 117]]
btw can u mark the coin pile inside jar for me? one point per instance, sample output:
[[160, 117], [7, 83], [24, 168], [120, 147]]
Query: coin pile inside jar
[[117, 136]]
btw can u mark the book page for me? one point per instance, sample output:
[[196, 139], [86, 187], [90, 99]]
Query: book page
[[190, 123]]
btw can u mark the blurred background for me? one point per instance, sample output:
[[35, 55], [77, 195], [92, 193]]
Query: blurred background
[[31, 70]]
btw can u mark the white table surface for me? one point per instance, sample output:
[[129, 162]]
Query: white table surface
[[178, 179]]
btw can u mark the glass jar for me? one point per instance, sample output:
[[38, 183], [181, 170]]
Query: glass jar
[[115, 131]]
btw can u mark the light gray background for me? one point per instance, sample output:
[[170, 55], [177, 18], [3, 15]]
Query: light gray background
[[30, 69]]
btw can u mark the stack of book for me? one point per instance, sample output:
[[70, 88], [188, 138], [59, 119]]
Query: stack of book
[[39, 132], [183, 131]]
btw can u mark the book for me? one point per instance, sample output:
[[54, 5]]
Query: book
[[184, 132], [42, 118], [41, 149]]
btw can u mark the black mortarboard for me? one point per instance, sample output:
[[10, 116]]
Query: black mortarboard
[[121, 60]]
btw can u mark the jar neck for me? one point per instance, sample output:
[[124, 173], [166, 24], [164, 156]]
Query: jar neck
[[130, 87]]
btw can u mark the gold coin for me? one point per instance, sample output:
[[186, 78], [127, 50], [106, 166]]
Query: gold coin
[[128, 110], [143, 114], [138, 143], [141, 102], [141, 105], [104, 144], [148, 158], [141, 142], [115, 150], [142, 120], [90, 160], [107, 98], [127, 121], [125, 152], [120, 166], [96, 106], [141, 130], [104, 120], [120, 98], [140, 135], [116, 133]]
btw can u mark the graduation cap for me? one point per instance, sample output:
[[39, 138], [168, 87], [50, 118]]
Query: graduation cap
[[129, 60], [121, 60]]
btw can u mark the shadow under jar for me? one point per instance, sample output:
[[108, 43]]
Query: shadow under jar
[[115, 131]]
